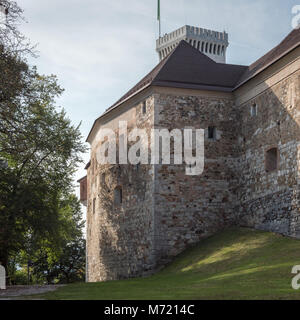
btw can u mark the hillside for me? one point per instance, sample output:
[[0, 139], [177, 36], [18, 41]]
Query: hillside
[[235, 264]]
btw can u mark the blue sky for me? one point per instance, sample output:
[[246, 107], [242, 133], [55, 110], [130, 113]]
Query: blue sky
[[101, 48]]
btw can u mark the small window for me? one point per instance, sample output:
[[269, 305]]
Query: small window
[[94, 205], [272, 160], [144, 107], [118, 196], [102, 178], [254, 110], [106, 148], [212, 133]]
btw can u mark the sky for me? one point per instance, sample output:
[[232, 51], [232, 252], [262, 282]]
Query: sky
[[99, 49]]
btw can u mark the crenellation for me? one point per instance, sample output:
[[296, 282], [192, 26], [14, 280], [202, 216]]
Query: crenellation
[[196, 37]]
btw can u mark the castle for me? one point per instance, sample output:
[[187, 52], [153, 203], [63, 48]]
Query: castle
[[140, 216]]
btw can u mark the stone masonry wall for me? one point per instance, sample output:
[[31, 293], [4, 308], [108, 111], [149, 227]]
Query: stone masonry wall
[[121, 237], [164, 210], [189, 208], [270, 200]]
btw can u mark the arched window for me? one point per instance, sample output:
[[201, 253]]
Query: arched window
[[215, 47], [210, 48], [218, 52], [206, 47], [272, 159], [118, 196], [202, 46]]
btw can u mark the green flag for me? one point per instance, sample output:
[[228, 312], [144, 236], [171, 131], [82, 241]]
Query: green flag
[[158, 9]]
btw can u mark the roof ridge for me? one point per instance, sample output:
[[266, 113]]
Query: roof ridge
[[189, 68], [177, 48], [282, 48], [144, 80]]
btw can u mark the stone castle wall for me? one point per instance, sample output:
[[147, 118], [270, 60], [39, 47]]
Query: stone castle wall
[[120, 237], [164, 210], [270, 200], [192, 207]]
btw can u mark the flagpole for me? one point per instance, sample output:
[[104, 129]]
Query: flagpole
[[158, 17], [159, 28]]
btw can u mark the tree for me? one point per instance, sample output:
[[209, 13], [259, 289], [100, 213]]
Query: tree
[[67, 267], [10, 37], [43, 150], [39, 147], [64, 260]]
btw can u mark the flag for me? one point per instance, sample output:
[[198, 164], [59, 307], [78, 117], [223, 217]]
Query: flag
[[158, 9]]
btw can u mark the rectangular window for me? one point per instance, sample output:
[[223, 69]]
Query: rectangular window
[[254, 110], [271, 160], [102, 178], [94, 205], [144, 107], [118, 196], [212, 133]]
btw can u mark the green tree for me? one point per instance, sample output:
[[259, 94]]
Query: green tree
[[62, 261], [39, 152], [42, 150]]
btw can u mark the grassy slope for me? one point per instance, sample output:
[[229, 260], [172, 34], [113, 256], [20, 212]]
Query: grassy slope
[[235, 264]]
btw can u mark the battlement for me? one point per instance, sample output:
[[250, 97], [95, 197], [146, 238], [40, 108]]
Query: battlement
[[210, 42]]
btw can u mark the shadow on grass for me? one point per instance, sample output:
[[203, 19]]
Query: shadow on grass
[[236, 264]]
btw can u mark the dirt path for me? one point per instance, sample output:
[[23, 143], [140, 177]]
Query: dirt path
[[13, 292]]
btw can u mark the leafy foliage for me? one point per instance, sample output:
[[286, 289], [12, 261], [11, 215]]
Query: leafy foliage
[[39, 152]]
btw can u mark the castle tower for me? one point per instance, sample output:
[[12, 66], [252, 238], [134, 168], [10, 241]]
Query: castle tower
[[211, 43]]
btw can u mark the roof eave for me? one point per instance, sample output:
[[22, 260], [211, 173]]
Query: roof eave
[[267, 65], [194, 86], [116, 106]]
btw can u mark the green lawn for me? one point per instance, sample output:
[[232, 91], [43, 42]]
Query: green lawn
[[235, 264]]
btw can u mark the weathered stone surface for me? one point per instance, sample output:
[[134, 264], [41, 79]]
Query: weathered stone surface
[[163, 210], [120, 238], [270, 201], [189, 208]]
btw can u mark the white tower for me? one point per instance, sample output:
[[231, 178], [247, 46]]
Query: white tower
[[211, 43]]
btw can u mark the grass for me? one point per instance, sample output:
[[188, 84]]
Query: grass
[[235, 264]]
